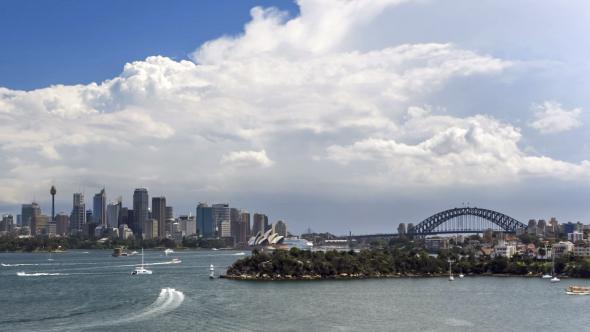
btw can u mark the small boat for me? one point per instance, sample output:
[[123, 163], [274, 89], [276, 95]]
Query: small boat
[[50, 258], [168, 251], [211, 272], [577, 290], [554, 277], [175, 261], [214, 249], [546, 276], [461, 276], [133, 253], [119, 252], [450, 271], [140, 269]]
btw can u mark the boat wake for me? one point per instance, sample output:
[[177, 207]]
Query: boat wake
[[43, 264], [39, 274]]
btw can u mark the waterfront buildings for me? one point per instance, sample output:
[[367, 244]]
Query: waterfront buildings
[[562, 248], [575, 237], [6, 224], [140, 210], [150, 229]]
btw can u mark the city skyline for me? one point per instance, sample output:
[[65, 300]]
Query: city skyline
[[330, 115]]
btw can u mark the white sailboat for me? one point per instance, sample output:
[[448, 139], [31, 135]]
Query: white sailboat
[[450, 271], [555, 278], [211, 272], [141, 270]]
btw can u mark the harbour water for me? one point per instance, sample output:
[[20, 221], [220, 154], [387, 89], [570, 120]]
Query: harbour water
[[93, 291]]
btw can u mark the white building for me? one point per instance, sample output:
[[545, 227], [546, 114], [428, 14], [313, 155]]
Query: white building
[[582, 251], [225, 228], [504, 250], [562, 248], [575, 237]]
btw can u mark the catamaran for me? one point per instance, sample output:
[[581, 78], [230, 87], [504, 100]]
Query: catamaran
[[141, 269]]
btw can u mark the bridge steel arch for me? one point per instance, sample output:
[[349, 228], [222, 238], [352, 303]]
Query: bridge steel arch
[[428, 226]]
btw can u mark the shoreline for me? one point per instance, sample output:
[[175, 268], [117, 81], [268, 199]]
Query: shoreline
[[263, 278]]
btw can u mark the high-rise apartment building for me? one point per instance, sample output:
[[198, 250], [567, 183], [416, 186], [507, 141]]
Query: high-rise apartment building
[[244, 228], [235, 219], [159, 214], [99, 208], [140, 210]]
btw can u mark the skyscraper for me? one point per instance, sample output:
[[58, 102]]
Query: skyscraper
[[113, 212], [205, 221], [78, 216], [259, 223], [140, 210], [62, 224], [159, 214], [280, 228], [235, 219], [27, 212], [99, 208], [221, 215], [244, 228]]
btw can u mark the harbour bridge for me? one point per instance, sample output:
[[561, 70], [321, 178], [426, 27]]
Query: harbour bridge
[[466, 220]]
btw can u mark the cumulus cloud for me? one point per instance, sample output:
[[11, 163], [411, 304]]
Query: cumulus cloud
[[551, 118], [247, 159], [294, 86]]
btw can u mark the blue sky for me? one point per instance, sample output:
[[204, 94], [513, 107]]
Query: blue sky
[[72, 42], [336, 115]]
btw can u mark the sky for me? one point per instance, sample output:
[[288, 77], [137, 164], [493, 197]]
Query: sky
[[333, 115]]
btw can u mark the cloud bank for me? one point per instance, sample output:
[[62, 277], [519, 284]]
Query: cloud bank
[[290, 103]]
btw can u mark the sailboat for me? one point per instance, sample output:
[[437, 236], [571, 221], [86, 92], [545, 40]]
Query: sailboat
[[555, 278], [50, 259], [211, 272], [450, 271], [141, 269]]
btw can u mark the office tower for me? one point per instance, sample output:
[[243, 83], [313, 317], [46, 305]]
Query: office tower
[[401, 229], [150, 229], [206, 226], [78, 216], [532, 227], [99, 208], [62, 224], [280, 228], [124, 216], [221, 215], [89, 217], [235, 221], [259, 223], [113, 212], [7, 223], [19, 220], [169, 212], [541, 227], [140, 210], [39, 224], [159, 214], [53, 191], [27, 212], [188, 224], [244, 233]]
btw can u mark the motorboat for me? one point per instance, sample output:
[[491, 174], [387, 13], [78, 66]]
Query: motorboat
[[555, 279], [168, 251], [140, 269], [176, 261], [546, 276], [577, 290]]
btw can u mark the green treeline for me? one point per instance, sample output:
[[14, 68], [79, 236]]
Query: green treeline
[[297, 264], [9, 243]]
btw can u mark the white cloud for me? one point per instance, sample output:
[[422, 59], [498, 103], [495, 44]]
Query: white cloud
[[247, 159], [295, 87], [551, 118]]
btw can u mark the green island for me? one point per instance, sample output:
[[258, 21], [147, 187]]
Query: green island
[[295, 264]]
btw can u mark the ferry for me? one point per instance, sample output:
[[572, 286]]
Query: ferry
[[119, 252], [577, 290]]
